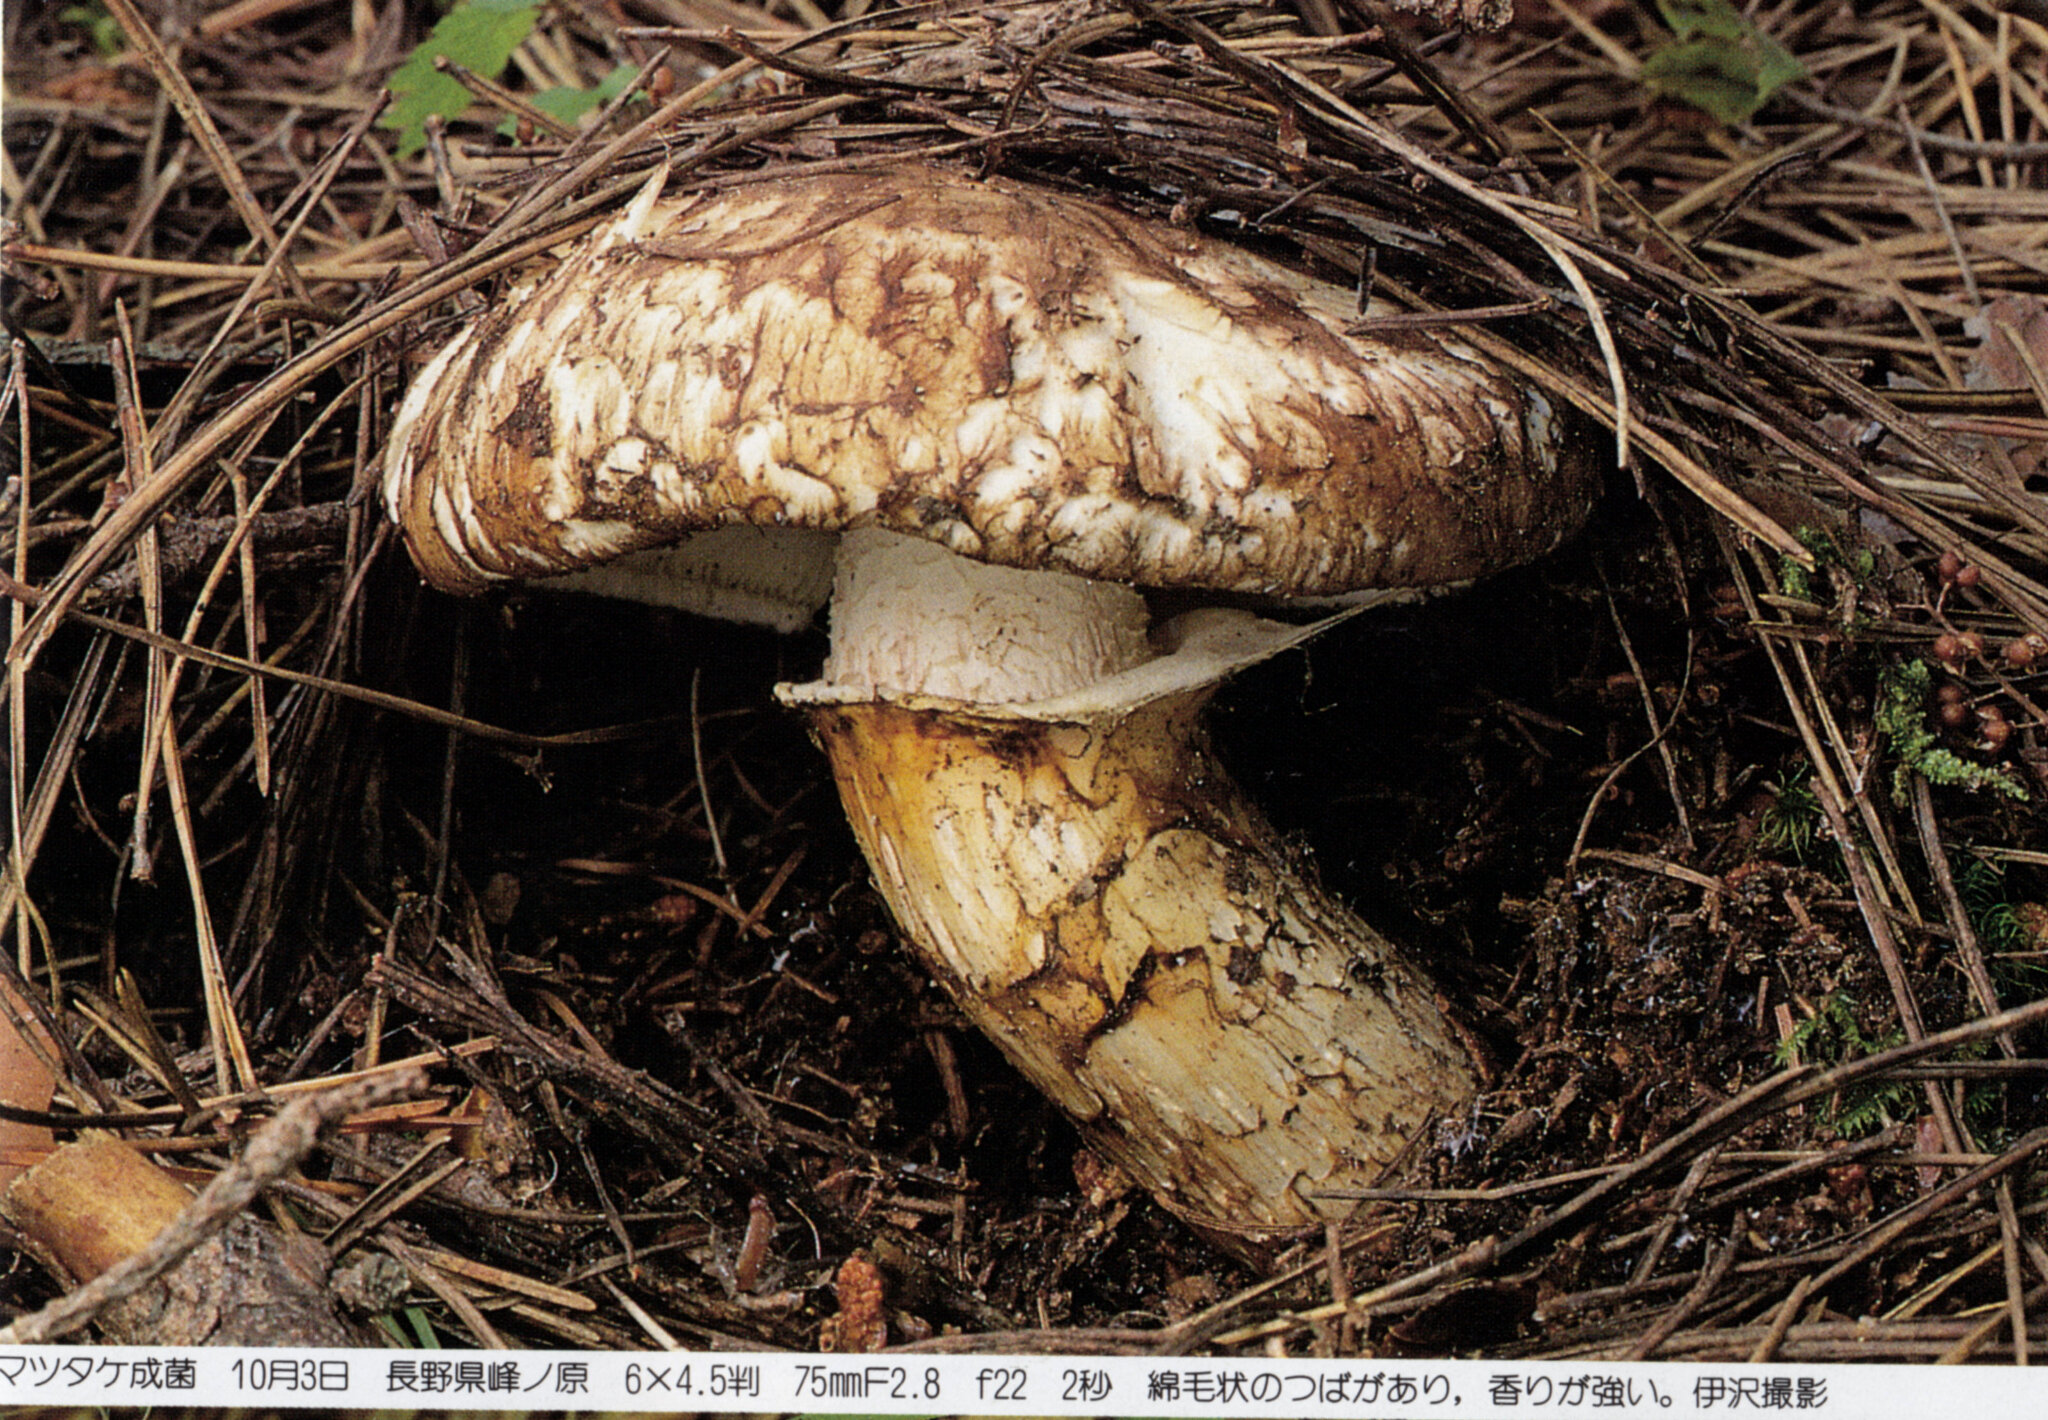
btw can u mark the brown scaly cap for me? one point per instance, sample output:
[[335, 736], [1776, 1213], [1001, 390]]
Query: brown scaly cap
[[1025, 377]]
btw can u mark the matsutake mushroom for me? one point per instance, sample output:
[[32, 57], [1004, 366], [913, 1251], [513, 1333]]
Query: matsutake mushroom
[[1021, 411]]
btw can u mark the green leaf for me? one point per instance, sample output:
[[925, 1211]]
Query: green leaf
[[477, 34], [568, 105], [104, 28], [1719, 62], [1715, 18], [422, 1328]]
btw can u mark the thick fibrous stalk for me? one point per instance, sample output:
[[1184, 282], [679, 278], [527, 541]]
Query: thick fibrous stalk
[[1090, 886]]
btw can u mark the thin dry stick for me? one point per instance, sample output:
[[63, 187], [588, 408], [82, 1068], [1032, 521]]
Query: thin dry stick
[[252, 635], [430, 1277], [232, 1061], [273, 1151], [776, 882], [2015, 1285], [54, 772], [1934, 1202], [230, 1050], [157, 188], [364, 265], [656, 1332], [234, 1068], [135, 448], [1460, 108], [544, 195], [1588, 164], [703, 788], [1660, 730], [1340, 1286], [1183, 1335], [1970, 1342], [580, 1137], [200, 122], [204, 370], [1674, 1212], [157, 1056], [503, 97], [1711, 1277], [507, 1281], [1795, 1168], [18, 854], [1891, 889], [1782, 1321], [1921, 1300], [1495, 1194], [1968, 949], [1941, 212], [418, 1176]]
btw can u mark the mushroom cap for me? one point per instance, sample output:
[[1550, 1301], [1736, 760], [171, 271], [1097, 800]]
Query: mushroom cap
[[1023, 376]]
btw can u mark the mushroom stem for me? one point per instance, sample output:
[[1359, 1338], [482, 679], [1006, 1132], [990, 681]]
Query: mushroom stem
[[1082, 876]]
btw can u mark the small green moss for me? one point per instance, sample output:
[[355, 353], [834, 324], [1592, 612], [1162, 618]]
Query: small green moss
[[1790, 824], [2007, 944], [1901, 717], [1857, 566], [1832, 1036], [1795, 578]]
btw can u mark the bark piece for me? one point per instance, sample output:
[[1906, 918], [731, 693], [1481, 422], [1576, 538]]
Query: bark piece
[[92, 1204]]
